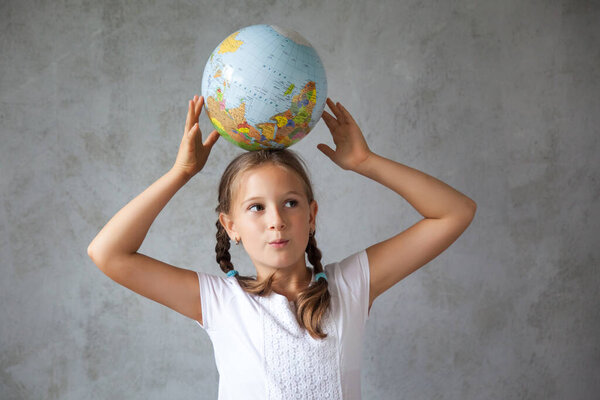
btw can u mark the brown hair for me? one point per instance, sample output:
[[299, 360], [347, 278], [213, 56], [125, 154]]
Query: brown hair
[[311, 303]]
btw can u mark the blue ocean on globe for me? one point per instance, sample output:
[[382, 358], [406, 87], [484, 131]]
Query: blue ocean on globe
[[264, 87]]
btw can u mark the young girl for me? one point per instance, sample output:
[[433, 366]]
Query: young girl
[[291, 332]]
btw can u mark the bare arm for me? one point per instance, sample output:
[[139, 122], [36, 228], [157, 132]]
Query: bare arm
[[125, 231], [447, 212], [114, 249]]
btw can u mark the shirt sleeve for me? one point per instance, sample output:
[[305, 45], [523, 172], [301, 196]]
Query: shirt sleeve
[[353, 281], [213, 295]]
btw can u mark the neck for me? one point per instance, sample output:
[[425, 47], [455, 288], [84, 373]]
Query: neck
[[289, 282]]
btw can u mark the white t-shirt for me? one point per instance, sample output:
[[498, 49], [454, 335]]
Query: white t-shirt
[[261, 352]]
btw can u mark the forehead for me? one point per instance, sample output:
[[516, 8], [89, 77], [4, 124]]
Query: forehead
[[266, 180]]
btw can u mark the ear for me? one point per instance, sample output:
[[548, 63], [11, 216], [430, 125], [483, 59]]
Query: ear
[[314, 208], [229, 225]]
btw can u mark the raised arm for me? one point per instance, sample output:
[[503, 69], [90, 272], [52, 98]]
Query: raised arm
[[114, 249], [446, 211]]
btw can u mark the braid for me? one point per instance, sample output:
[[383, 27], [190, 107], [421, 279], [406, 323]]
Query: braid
[[314, 301], [314, 254], [222, 249]]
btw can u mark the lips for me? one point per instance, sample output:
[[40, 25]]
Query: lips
[[280, 241]]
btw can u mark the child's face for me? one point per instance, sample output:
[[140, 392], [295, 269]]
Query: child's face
[[270, 204]]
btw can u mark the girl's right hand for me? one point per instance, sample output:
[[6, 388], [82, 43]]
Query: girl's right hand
[[193, 153]]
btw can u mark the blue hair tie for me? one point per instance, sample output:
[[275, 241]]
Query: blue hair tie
[[232, 272], [320, 275]]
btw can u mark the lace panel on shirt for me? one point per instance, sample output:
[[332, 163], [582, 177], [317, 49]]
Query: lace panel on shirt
[[296, 365]]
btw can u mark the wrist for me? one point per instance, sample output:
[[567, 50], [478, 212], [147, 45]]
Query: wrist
[[364, 166], [180, 174]]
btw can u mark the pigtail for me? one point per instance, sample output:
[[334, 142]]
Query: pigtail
[[222, 249], [313, 302]]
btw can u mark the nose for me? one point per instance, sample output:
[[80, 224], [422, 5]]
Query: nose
[[276, 221]]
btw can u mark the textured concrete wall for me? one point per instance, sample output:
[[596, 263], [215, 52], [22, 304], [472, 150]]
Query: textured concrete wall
[[500, 99]]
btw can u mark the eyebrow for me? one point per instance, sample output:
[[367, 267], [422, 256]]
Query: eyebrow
[[258, 197]]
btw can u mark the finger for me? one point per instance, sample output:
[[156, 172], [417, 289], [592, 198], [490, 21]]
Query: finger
[[330, 117], [334, 127], [332, 107], [212, 139], [188, 120], [343, 119], [192, 131], [328, 151], [347, 115], [329, 120], [194, 117], [336, 111], [199, 105]]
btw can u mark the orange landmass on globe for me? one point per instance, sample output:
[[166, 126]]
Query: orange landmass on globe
[[289, 126], [231, 122]]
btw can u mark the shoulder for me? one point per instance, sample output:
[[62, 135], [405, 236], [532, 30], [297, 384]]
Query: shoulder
[[219, 298], [214, 279], [356, 260], [221, 287], [349, 281], [352, 272]]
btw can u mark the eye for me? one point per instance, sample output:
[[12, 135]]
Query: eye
[[293, 203], [255, 205]]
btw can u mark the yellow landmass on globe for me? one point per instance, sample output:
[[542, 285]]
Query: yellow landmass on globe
[[281, 121], [230, 44], [289, 89]]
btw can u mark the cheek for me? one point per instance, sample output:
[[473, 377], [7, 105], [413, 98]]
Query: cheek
[[302, 222], [251, 225]]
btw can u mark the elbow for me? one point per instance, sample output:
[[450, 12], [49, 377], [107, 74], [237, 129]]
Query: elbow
[[465, 211], [91, 251], [470, 210], [92, 255], [96, 257], [472, 207]]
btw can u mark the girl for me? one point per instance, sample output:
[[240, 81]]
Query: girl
[[291, 331]]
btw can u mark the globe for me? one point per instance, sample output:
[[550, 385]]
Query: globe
[[264, 87]]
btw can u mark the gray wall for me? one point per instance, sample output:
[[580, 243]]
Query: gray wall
[[500, 99]]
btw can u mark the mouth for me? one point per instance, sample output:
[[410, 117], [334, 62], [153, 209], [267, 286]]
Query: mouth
[[279, 242]]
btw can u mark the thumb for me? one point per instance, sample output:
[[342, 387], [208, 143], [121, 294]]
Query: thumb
[[328, 151]]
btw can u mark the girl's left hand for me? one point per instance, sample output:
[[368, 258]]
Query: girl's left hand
[[351, 148]]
